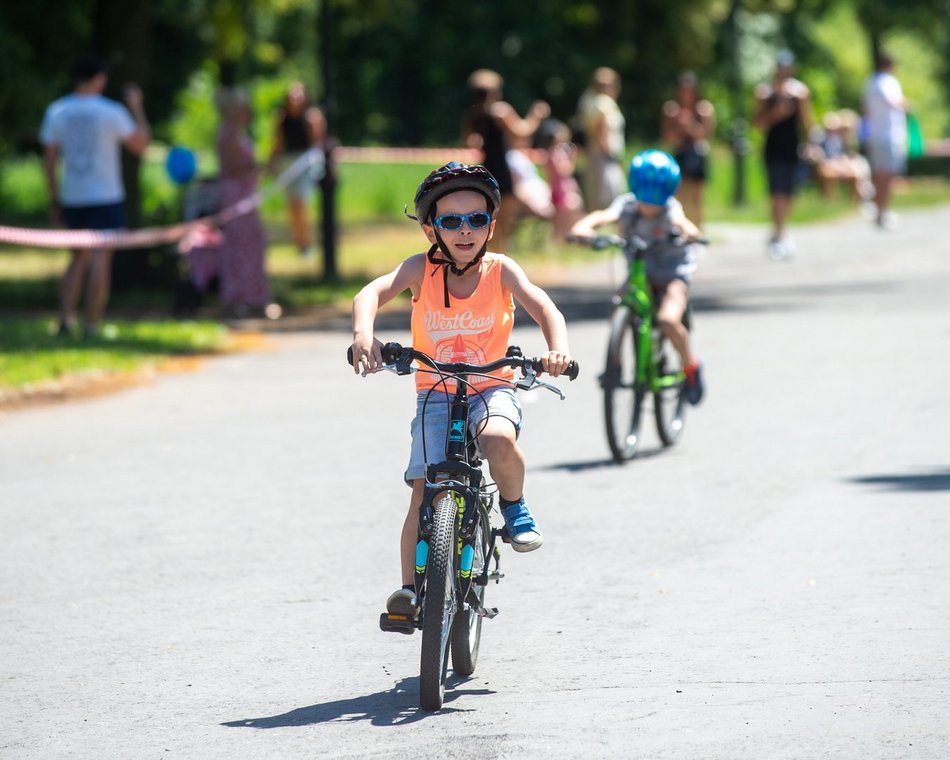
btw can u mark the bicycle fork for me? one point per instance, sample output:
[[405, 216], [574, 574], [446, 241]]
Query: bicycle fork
[[466, 498]]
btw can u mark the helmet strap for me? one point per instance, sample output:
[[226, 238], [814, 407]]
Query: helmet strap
[[447, 263]]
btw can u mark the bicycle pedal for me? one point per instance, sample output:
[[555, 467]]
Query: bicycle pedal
[[496, 576], [396, 623], [487, 612]]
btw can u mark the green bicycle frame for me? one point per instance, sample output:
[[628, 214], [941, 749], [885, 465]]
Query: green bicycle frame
[[638, 295]]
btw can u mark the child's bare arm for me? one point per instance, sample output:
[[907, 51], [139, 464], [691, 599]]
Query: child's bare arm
[[365, 347], [686, 227], [542, 310], [586, 227]]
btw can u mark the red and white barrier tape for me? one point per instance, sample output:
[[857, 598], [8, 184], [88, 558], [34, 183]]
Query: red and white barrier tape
[[434, 156], [147, 237], [312, 160]]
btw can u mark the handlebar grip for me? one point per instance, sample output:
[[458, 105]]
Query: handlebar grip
[[573, 369], [390, 352]]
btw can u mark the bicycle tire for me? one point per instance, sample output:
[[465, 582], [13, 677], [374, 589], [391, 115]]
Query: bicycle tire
[[467, 627], [623, 400], [669, 403], [438, 605]]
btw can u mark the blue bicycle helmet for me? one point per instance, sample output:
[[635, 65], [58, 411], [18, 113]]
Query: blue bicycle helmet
[[653, 176]]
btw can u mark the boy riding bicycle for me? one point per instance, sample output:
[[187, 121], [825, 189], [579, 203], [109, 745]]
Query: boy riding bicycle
[[650, 212], [462, 310]]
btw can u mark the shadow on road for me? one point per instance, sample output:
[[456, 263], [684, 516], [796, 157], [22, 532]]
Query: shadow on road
[[598, 464], [939, 480], [397, 706]]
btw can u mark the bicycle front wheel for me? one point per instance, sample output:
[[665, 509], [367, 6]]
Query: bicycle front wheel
[[669, 395], [438, 604], [467, 628], [623, 399]]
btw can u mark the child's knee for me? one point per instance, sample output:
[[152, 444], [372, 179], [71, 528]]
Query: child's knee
[[497, 442]]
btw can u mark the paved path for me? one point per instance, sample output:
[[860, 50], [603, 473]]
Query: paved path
[[195, 568]]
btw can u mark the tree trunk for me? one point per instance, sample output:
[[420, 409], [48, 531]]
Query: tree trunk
[[121, 37]]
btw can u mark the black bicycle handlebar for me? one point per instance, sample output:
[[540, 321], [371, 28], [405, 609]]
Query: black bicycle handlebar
[[401, 356], [600, 242]]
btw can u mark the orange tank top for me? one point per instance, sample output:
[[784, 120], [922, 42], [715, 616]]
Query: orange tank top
[[476, 330]]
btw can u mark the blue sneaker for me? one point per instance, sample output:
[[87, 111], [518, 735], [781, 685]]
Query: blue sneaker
[[522, 529]]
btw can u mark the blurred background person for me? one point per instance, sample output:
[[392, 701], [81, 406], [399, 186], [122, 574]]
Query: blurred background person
[[783, 112], [885, 111], [299, 126], [560, 165], [87, 131], [687, 124], [836, 160], [494, 126], [603, 127], [244, 288]]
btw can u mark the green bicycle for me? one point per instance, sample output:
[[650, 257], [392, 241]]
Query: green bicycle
[[642, 367]]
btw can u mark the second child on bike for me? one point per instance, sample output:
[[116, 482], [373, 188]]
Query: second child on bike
[[650, 212], [462, 311]]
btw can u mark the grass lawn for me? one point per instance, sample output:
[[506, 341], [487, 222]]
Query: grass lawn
[[33, 358]]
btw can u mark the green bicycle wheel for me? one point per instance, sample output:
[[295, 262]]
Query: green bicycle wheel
[[669, 395], [438, 604], [467, 628], [623, 400]]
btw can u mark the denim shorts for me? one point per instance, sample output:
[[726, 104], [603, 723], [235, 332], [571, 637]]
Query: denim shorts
[[110, 216], [303, 185], [497, 401]]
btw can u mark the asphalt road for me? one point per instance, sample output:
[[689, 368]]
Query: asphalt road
[[195, 568]]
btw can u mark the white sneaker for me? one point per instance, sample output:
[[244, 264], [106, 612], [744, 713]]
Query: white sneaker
[[780, 249], [887, 220]]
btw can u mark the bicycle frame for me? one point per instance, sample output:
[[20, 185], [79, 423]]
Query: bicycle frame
[[638, 295], [463, 477]]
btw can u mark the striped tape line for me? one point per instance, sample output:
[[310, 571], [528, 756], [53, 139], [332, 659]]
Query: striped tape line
[[312, 160], [147, 237]]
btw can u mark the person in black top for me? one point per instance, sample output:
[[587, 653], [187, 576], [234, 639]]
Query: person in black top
[[299, 127], [688, 123], [783, 110], [495, 127]]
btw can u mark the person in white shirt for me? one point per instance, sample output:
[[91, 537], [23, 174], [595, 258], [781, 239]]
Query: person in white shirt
[[604, 139], [87, 131], [886, 119]]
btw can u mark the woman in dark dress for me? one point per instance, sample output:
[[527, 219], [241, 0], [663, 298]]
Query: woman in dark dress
[[783, 111], [688, 124], [494, 126]]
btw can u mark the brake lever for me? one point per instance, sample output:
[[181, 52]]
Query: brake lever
[[530, 382], [550, 387], [528, 378]]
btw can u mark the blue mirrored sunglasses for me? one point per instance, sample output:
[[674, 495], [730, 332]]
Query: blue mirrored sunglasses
[[476, 220]]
